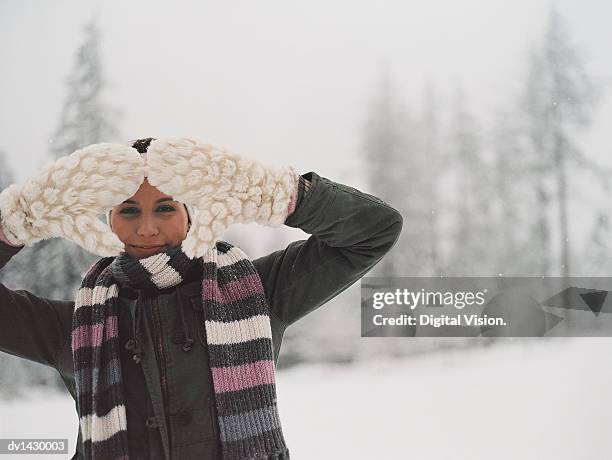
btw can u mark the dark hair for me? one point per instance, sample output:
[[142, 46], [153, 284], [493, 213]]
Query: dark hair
[[142, 144]]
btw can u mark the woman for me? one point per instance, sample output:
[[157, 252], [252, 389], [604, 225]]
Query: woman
[[170, 346]]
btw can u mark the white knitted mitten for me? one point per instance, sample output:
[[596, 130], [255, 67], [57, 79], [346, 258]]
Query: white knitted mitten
[[65, 198], [223, 187]]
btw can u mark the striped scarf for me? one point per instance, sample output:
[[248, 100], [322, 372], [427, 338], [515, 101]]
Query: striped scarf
[[239, 340]]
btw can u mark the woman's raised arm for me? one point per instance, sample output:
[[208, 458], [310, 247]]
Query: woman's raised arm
[[31, 327], [351, 231]]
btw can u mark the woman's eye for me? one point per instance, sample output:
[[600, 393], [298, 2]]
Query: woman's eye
[[163, 208]]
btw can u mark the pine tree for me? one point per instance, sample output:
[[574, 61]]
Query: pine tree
[[536, 118], [473, 238], [56, 266], [432, 173], [85, 117], [559, 98], [395, 167], [512, 196]]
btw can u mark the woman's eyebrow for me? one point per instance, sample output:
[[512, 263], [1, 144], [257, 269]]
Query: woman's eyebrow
[[168, 198]]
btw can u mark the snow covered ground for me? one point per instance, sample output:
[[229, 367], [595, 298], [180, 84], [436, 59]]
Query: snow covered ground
[[535, 400]]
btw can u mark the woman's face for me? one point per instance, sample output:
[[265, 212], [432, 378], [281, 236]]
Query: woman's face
[[149, 222]]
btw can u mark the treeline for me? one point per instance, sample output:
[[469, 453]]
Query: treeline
[[494, 195]]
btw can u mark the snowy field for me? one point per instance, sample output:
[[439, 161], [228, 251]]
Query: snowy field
[[512, 401]]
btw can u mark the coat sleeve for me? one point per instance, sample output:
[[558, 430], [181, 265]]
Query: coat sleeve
[[350, 233], [31, 327]]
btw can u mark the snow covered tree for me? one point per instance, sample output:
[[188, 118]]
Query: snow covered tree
[[396, 171], [433, 176], [573, 96], [85, 119], [536, 120], [473, 236], [559, 99], [513, 196]]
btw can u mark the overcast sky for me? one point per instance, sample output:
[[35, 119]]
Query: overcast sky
[[279, 80]]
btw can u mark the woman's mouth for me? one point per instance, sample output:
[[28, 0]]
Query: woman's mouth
[[148, 249]]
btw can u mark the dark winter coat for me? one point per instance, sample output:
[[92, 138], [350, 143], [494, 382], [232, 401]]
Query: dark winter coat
[[169, 396]]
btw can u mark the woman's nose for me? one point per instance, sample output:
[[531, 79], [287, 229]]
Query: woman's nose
[[147, 226]]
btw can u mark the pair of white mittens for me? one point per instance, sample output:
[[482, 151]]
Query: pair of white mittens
[[221, 187]]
